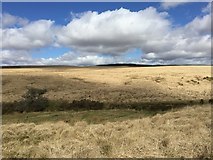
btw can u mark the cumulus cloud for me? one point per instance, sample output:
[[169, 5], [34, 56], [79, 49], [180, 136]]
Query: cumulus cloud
[[113, 32], [9, 20], [19, 42], [72, 58], [190, 43], [16, 57], [168, 5], [100, 38], [200, 25], [34, 35], [116, 32]]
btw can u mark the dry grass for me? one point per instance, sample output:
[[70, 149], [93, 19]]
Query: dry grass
[[186, 133], [111, 84]]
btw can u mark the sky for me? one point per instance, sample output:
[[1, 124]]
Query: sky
[[92, 33]]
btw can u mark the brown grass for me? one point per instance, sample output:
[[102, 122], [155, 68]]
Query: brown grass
[[111, 84], [183, 133]]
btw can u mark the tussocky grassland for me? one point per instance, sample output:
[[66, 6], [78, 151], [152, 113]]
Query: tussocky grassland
[[120, 132]]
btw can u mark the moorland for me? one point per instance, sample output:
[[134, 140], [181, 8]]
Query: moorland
[[106, 111]]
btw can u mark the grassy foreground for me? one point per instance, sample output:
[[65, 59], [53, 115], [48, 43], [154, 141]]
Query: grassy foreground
[[182, 133]]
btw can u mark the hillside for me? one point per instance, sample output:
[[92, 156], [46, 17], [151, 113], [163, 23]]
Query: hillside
[[159, 111], [108, 84]]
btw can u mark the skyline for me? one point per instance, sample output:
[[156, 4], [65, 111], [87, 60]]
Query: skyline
[[85, 33]]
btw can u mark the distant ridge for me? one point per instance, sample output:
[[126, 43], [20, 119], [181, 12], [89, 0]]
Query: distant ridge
[[101, 65], [145, 65]]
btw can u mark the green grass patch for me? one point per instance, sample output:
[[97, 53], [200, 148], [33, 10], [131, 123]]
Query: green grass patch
[[71, 117]]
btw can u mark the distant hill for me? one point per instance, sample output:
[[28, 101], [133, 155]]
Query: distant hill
[[144, 65], [128, 65], [101, 65]]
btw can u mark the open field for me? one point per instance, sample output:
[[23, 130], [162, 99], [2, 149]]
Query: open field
[[183, 133], [121, 84], [129, 124]]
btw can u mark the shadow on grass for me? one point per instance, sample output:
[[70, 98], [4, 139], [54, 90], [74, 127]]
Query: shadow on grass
[[86, 104]]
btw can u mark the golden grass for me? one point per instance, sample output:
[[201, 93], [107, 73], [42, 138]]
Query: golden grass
[[111, 84], [186, 133]]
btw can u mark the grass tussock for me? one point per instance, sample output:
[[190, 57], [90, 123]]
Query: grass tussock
[[183, 133]]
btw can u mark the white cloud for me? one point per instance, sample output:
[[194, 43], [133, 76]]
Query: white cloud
[[100, 38], [207, 9], [117, 32], [113, 32], [200, 25], [16, 57], [168, 5], [19, 42], [74, 59], [9, 20], [190, 43], [34, 35]]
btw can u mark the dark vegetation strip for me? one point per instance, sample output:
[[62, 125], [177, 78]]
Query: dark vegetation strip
[[86, 104], [33, 101], [102, 65]]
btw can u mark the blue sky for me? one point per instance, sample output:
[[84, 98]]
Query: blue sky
[[60, 12], [178, 16]]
